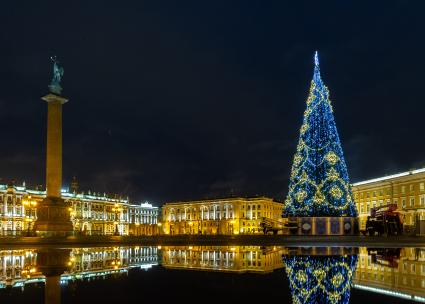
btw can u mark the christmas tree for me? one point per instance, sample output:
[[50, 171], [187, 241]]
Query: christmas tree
[[319, 184], [315, 279]]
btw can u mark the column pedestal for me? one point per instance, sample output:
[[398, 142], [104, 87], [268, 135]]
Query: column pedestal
[[53, 218]]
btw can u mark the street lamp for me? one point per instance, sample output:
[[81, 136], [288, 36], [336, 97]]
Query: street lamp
[[28, 221], [116, 209], [29, 206]]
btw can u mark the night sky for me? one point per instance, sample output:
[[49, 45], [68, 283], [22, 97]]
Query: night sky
[[175, 100]]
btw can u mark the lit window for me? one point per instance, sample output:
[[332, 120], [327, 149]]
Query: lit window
[[412, 188], [412, 201], [422, 186], [403, 203], [422, 201]]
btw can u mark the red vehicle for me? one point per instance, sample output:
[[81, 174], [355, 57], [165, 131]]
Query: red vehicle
[[384, 220]]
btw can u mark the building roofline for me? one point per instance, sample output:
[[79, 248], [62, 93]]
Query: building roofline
[[388, 177], [80, 196], [210, 200]]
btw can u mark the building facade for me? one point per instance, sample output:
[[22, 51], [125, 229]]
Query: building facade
[[90, 214], [226, 216], [406, 189]]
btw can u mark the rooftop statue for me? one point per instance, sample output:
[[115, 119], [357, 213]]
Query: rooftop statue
[[55, 86]]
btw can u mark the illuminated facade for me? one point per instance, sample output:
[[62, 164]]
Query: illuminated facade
[[238, 259], [399, 274], [90, 214], [406, 189], [219, 216]]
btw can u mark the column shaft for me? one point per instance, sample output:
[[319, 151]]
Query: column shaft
[[54, 149]]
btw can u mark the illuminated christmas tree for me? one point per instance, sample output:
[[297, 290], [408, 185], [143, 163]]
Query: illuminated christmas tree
[[319, 184], [320, 279]]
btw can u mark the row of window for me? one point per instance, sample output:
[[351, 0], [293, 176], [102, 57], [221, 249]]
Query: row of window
[[412, 203], [387, 191]]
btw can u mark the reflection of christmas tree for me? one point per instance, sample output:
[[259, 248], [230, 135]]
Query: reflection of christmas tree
[[319, 184], [320, 279]]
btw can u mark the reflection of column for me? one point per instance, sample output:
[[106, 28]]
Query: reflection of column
[[52, 290], [52, 263]]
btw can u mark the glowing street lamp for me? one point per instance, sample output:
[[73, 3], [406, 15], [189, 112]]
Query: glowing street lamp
[[117, 209], [28, 220]]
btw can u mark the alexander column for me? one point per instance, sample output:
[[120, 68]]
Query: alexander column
[[52, 214]]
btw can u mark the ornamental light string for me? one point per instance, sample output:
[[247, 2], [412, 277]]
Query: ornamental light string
[[320, 279], [319, 183]]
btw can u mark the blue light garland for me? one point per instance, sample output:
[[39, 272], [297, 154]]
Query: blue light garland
[[319, 184], [320, 279]]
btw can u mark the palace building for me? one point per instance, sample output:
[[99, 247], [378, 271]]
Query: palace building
[[90, 213], [235, 215], [406, 189]]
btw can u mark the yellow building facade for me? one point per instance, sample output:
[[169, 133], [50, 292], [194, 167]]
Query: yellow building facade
[[227, 216], [90, 214], [406, 189]]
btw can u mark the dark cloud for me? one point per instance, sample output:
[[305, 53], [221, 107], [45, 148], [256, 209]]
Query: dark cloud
[[172, 100]]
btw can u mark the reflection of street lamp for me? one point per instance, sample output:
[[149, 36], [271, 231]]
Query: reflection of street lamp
[[117, 260], [28, 271]]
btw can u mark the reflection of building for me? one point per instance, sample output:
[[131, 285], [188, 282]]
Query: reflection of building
[[219, 216], [222, 258], [90, 213], [398, 273], [406, 189], [20, 267], [17, 267]]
